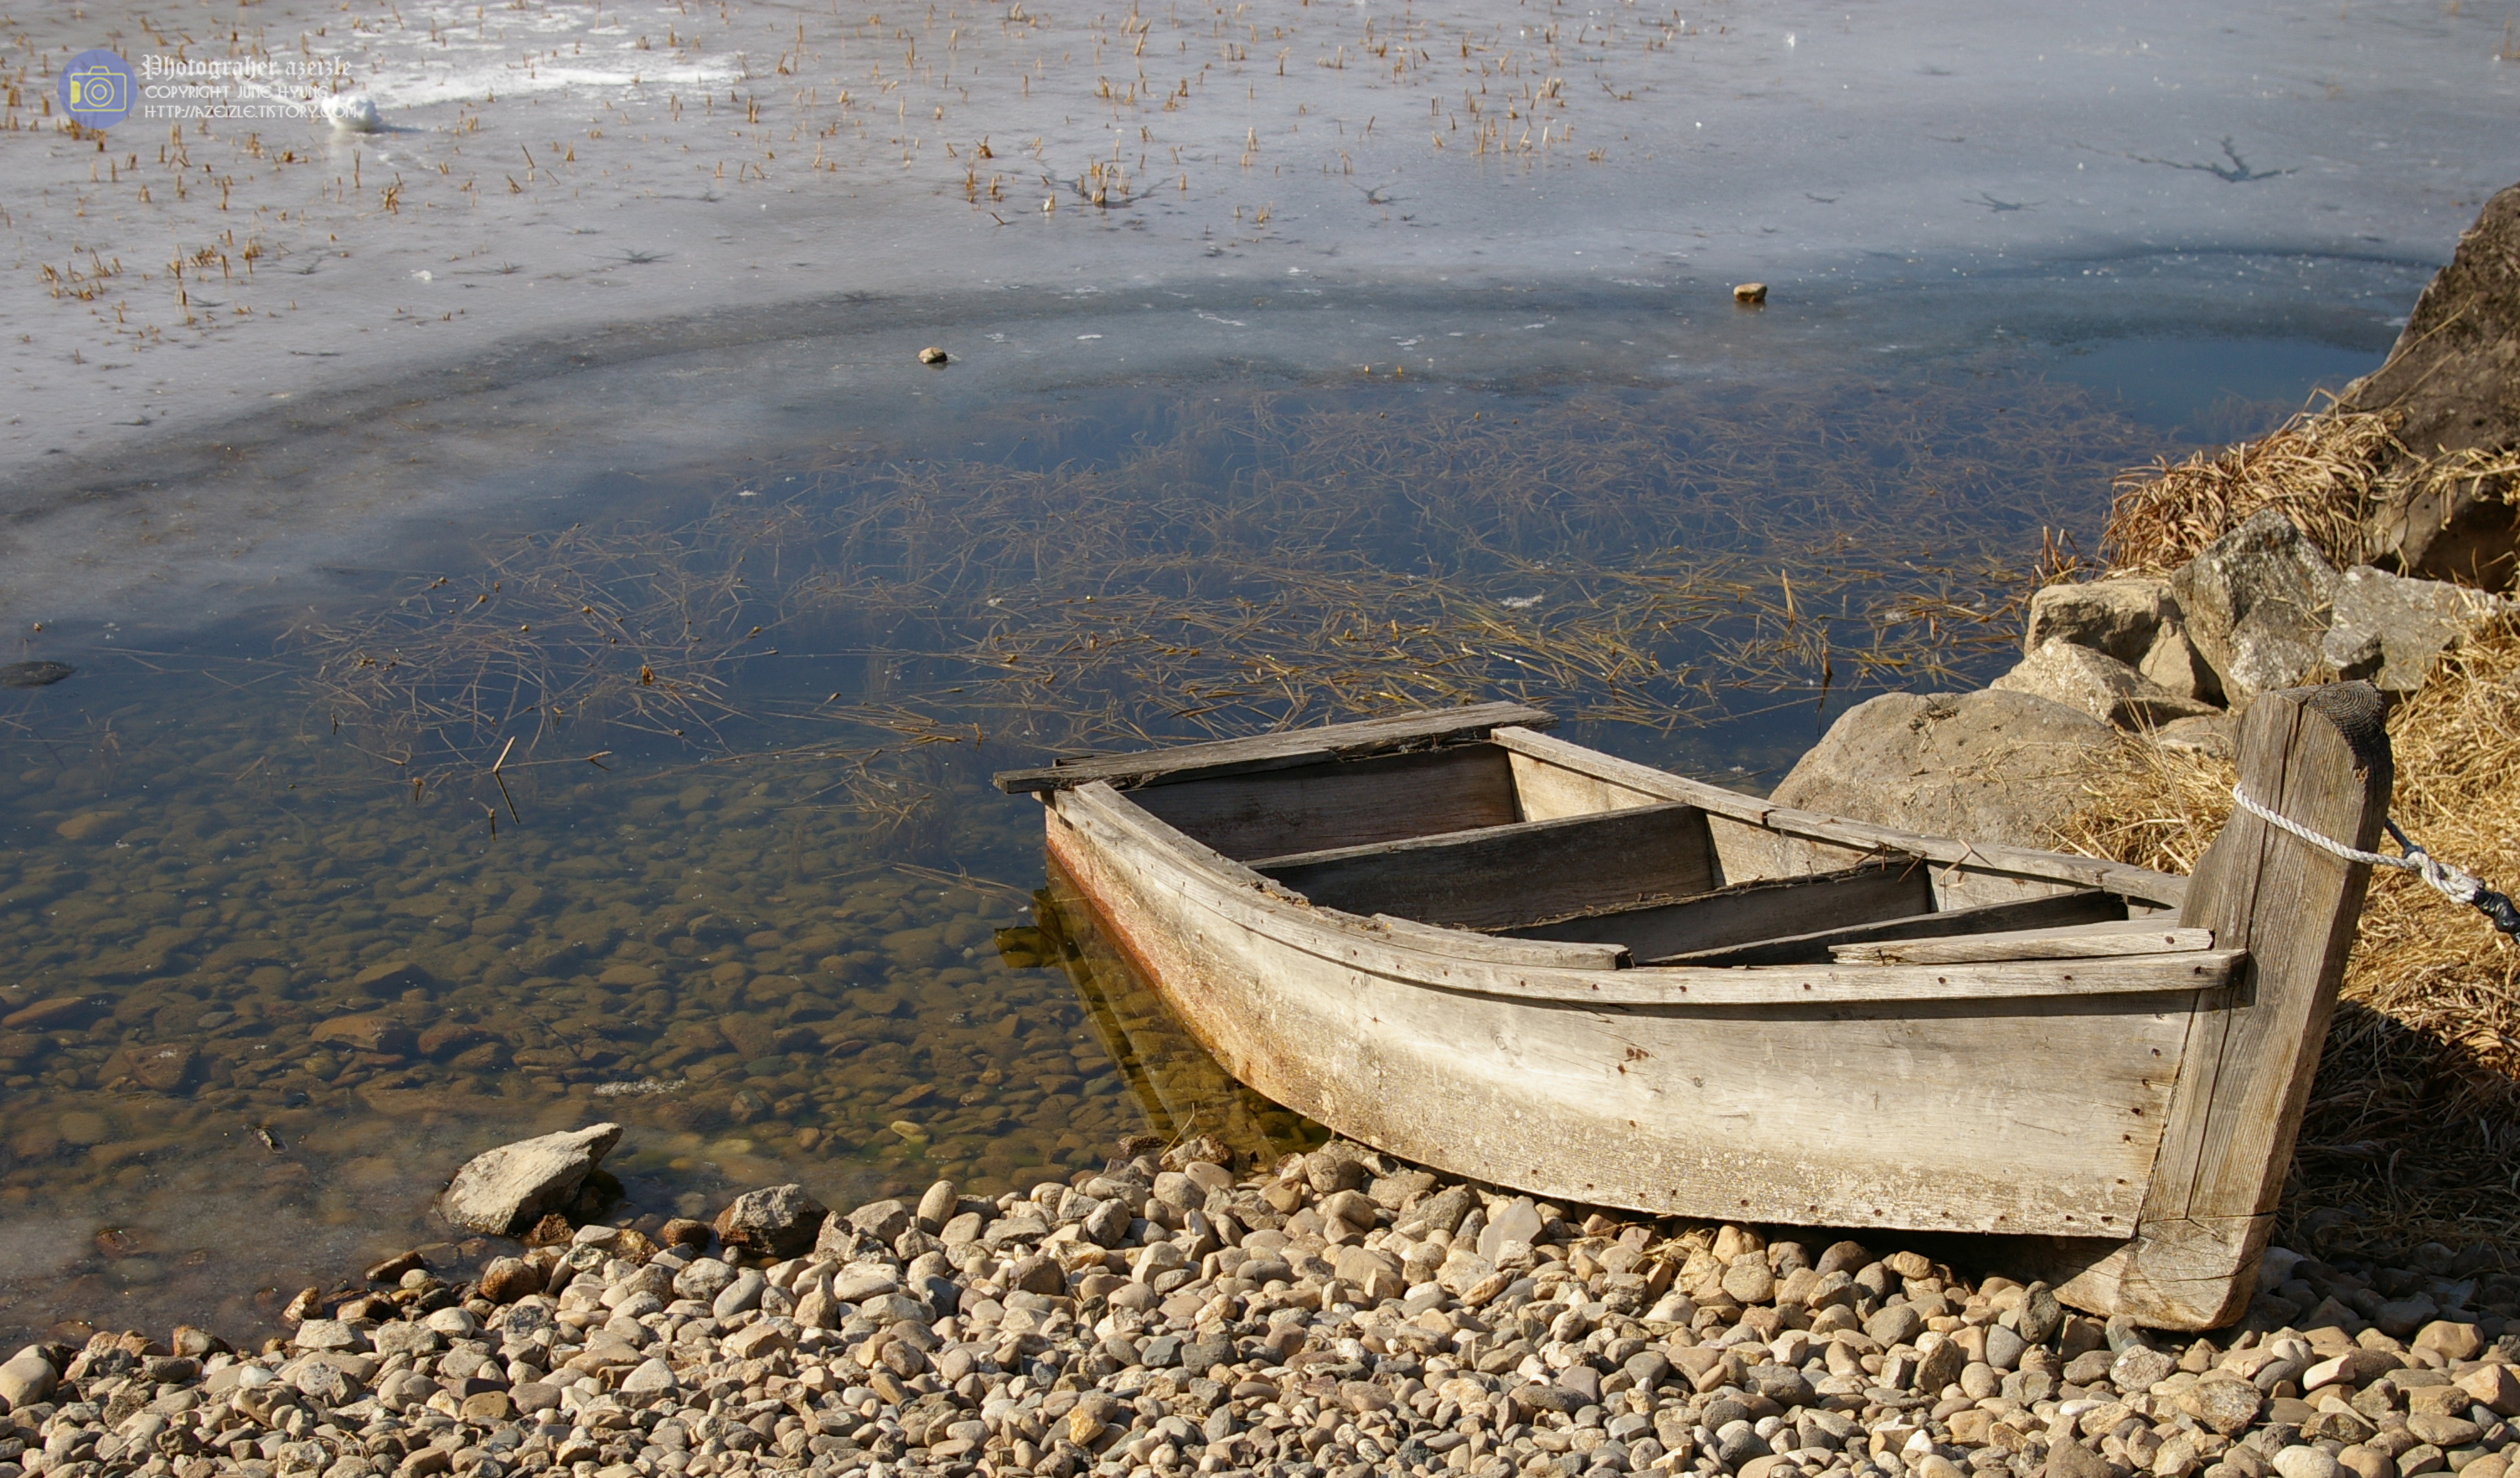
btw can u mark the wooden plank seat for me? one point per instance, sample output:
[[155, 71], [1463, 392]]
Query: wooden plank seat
[[2133, 936], [1658, 930], [1340, 803], [2079, 906], [1494, 878]]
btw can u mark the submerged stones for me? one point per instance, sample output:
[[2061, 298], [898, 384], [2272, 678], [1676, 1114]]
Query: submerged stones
[[508, 1190], [36, 674]]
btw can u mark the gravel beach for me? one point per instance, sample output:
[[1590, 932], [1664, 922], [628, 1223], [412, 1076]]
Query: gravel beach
[[1334, 1314]]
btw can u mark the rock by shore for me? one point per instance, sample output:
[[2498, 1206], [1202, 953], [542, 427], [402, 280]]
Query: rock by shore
[[1338, 1314]]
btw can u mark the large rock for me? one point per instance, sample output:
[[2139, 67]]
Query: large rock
[[2389, 629], [780, 1221], [1992, 766], [2173, 664], [2120, 618], [2257, 603], [25, 1379], [2099, 684], [505, 1190], [2452, 381]]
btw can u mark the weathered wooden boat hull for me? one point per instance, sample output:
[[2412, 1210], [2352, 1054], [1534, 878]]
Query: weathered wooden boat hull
[[2005, 1116], [2130, 1110]]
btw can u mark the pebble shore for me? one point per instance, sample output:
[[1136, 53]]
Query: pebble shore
[[1337, 1313]]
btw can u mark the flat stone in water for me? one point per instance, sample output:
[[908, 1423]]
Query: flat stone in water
[[33, 674]]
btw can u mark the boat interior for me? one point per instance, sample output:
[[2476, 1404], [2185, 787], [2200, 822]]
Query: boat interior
[[1489, 837]]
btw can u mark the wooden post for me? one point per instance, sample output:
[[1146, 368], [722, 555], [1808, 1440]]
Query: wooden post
[[2318, 756]]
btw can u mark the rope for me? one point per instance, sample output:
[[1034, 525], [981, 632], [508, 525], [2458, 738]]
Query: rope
[[2450, 883]]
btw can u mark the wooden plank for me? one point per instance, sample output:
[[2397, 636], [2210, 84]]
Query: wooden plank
[[1344, 803], [2080, 906], [2131, 938], [1497, 877], [1464, 944], [1423, 728], [1114, 823], [1841, 832], [2033, 1115], [2178, 1274], [1545, 792], [2318, 756], [1749, 911]]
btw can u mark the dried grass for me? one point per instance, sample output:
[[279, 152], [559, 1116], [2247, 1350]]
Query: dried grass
[[2329, 472], [2326, 470], [2413, 1117], [1171, 567]]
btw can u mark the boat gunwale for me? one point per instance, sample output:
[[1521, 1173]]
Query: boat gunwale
[[1253, 901]]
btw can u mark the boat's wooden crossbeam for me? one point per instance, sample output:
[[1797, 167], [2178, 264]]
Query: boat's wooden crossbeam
[[2134, 936], [1424, 730], [1341, 803], [1494, 948], [2077, 906], [1495, 878], [1748, 911]]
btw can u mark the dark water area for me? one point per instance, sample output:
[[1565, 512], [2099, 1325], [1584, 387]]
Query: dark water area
[[662, 795], [2213, 390]]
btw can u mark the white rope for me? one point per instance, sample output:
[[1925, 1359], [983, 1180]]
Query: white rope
[[2453, 884]]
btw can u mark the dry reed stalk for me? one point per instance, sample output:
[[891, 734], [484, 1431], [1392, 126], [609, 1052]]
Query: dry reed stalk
[[2325, 469], [2329, 472], [2411, 1117], [1651, 557]]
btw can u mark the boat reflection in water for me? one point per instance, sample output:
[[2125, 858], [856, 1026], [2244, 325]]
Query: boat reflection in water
[[1181, 1091]]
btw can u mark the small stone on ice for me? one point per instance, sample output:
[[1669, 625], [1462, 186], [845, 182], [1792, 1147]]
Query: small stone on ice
[[933, 356], [1750, 292]]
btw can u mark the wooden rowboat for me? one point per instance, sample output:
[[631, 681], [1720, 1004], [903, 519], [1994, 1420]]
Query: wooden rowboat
[[1455, 938]]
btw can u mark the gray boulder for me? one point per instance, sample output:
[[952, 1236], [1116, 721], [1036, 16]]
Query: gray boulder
[[2099, 684], [2122, 618], [778, 1220], [2211, 734], [2389, 629], [2257, 603], [1993, 766], [2452, 383], [505, 1190], [883, 1221], [2173, 664]]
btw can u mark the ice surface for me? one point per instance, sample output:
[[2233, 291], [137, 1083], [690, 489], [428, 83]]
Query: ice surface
[[645, 191]]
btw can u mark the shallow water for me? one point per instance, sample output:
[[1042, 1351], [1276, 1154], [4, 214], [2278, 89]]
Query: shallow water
[[662, 797]]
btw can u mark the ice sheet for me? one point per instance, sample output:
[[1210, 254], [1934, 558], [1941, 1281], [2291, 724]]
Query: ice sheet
[[657, 182]]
